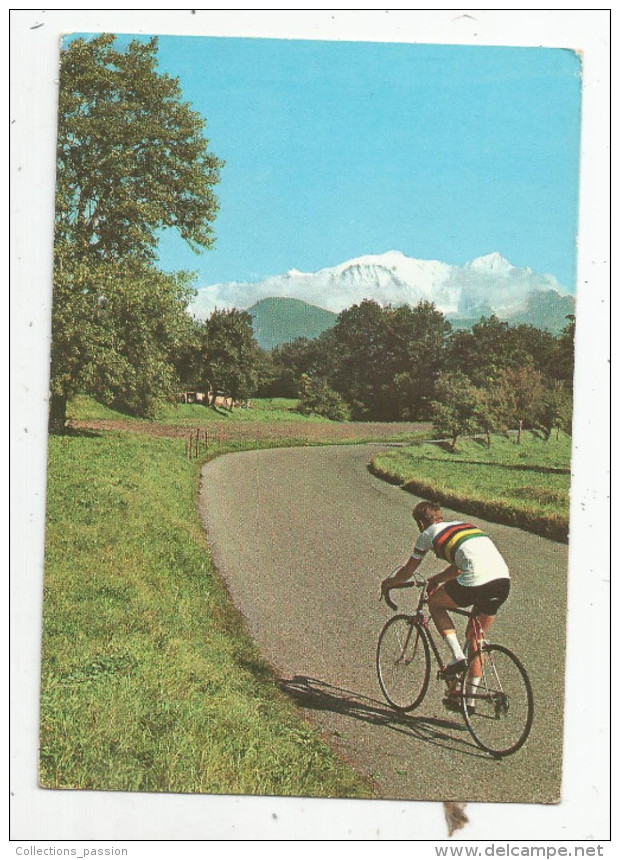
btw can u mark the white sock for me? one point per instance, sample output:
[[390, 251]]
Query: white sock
[[472, 687], [453, 644]]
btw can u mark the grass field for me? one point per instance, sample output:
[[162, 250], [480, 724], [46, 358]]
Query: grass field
[[149, 680], [270, 421], [191, 414], [525, 484]]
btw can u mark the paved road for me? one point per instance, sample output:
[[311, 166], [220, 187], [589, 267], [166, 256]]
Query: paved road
[[302, 538]]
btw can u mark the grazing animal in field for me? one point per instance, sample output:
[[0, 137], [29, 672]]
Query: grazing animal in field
[[219, 399], [193, 397]]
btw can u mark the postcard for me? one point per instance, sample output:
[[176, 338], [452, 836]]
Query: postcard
[[314, 308]]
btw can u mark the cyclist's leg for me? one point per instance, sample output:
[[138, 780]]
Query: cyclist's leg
[[439, 603], [487, 601], [475, 632]]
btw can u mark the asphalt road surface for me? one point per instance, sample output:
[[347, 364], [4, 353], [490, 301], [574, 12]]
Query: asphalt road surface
[[303, 537]]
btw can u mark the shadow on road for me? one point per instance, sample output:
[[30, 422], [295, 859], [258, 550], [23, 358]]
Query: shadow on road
[[320, 696]]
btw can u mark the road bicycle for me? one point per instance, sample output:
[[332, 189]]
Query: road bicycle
[[498, 711]]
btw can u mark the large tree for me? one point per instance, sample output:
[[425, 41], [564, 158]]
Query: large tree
[[132, 160], [458, 407], [388, 358], [231, 356], [116, 328], [415, 346], [562, 365], [360, 335], [491, 346], [317, 358]]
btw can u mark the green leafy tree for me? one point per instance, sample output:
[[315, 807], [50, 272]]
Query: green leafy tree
[[456, 407], [266, 374], [413, 358], [360, 336], [143, 321], [516, 396], [562, 365], [232, 358], [317, 398], [536, 346], [132, 156], [482, 353], [188, 357], [132, 160], [387, 359], [316, 357], [557, 409], [115, 330]]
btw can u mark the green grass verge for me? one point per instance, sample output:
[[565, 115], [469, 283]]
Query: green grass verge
[[525, 485], [150, 681], [263, 409]]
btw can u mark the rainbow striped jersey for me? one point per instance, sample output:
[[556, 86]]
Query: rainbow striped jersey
[[465, 546]]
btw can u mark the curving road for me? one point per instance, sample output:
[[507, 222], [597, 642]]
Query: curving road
[[302, 537]]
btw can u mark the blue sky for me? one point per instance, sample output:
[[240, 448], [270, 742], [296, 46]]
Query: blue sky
[[338, 149]]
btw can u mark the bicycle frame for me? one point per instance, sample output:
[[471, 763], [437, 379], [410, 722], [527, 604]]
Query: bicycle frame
[[424, 619]]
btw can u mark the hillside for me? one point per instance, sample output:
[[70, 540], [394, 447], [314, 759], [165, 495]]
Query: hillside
[[280, 320]]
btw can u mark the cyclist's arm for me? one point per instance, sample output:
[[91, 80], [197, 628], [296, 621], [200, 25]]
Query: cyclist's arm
[[450, 572], [402, 575]]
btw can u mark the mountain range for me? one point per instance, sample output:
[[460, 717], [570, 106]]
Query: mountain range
[[487, 285]]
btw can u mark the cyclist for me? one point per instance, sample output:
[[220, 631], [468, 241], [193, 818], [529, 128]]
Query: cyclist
[[477, 576]]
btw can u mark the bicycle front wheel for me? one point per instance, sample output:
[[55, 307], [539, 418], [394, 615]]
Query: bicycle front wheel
[[500, 709], [403, 662]]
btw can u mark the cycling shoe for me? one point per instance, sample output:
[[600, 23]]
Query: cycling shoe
[[454, 669]]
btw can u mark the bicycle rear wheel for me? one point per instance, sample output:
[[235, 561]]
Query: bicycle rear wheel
[[403, 662], [499, 712]]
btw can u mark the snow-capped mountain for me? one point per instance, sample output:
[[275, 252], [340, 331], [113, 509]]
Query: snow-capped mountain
[[488, 284]]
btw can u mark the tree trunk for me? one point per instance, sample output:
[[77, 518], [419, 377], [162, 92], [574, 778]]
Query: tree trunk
[[57, 414]]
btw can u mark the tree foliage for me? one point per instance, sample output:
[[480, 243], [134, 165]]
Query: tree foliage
[[317, 357], [131, 157], [457, 406], [131, 160], [563, 357], [557, 409], [414, 357], [382, 361], [317, 398], [391, 363], [114, 333], [231, 355], [517, 395]]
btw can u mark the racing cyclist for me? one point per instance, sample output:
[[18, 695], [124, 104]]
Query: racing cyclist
[[476, 575]]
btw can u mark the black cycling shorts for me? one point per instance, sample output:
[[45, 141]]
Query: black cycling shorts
[[485, 598]]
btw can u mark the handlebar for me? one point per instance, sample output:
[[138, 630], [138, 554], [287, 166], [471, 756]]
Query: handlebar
[[419, 583]]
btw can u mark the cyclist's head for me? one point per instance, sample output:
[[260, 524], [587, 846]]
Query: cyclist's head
[[427, 513]]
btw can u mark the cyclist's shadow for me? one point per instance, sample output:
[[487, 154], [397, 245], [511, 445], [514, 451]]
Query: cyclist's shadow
[[317, 695]]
